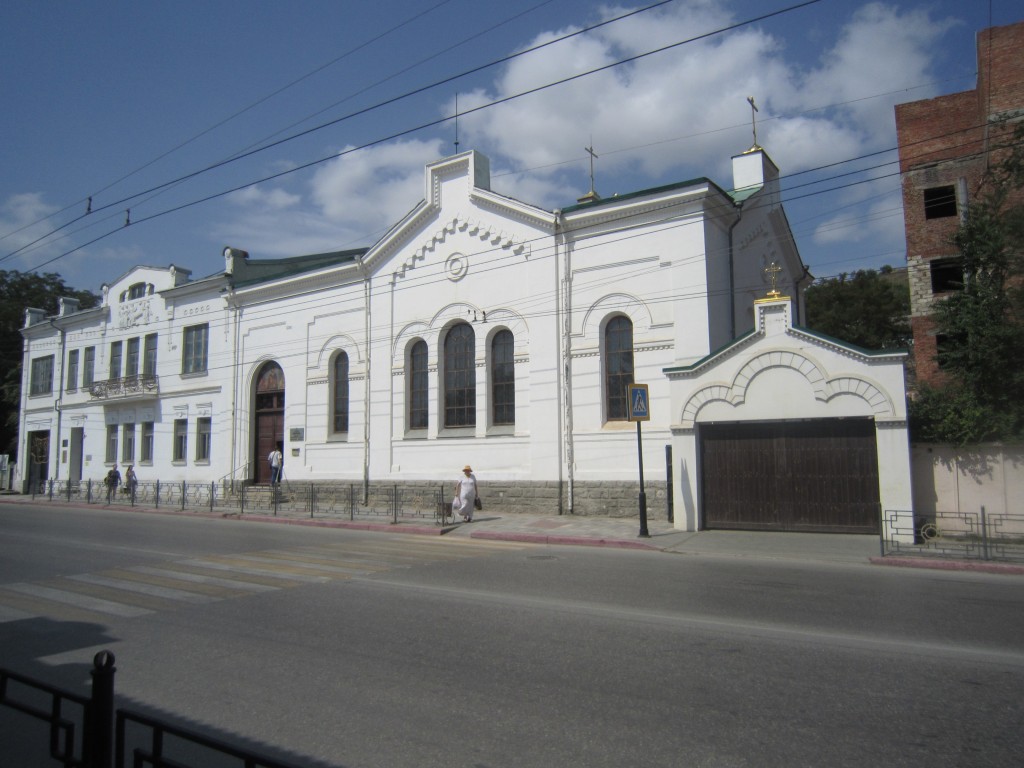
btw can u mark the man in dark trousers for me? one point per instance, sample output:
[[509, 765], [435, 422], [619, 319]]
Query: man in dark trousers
[[113, 481]]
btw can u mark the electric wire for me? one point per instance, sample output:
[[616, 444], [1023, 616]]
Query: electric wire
[[422, 126]]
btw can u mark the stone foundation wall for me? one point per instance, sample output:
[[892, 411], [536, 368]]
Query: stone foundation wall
[[590, 499]]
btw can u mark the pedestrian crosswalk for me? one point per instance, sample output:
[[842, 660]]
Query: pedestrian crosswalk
[[141, 590]]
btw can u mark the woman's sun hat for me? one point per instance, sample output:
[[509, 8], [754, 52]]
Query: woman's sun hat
[[467, 468]]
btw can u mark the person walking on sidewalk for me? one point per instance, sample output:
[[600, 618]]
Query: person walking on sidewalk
[[131, 482], [466, 494], [112, 480]]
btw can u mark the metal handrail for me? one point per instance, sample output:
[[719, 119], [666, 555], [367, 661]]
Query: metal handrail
[[244, 467]]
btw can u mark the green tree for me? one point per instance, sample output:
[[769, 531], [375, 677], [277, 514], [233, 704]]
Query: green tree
[[18, 291], [981, 327], [868, 308]]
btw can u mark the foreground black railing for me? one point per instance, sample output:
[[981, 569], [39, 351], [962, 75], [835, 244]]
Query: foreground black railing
[[74, 742], [166, 744], [91, 739], [977, 535]]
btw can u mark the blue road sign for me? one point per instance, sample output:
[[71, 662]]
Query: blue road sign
[[639, 403]]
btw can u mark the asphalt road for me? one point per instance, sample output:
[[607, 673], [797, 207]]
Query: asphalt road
[[328, 647]]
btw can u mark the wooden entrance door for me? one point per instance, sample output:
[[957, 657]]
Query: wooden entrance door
[[819, 475], [268, 426]]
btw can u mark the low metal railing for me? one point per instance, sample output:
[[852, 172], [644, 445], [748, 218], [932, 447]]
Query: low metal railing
[[977, 535], [385, 502]]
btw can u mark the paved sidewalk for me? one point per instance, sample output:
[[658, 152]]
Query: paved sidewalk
[[624, 533]]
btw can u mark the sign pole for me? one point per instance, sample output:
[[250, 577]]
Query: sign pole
[[639, 409], [643, 496]]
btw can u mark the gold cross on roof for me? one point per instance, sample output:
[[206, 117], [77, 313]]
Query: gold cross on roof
[[772, 270]]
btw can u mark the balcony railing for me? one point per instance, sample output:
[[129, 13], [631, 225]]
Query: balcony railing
[[140, 385]]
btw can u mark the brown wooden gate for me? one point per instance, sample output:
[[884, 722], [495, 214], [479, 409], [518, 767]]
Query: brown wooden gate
[[818, 475]]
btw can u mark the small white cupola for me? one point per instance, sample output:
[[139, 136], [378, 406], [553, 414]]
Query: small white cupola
[[753, 170]]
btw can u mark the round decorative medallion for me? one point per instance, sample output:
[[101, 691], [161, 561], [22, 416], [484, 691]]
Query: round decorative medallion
[[456, 266]]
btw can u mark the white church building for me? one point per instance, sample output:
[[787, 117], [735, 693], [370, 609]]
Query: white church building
[[484, 330]]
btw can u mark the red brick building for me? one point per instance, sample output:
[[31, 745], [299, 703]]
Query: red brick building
[[945, 145]]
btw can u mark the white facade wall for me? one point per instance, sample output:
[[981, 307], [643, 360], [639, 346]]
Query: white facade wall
[[80, 416], [683, 262]]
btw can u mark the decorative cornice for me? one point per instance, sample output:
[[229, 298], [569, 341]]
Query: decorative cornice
[[483, 230]]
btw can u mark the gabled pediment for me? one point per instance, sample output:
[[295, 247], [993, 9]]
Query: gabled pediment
[[457, 200], [829, 369]]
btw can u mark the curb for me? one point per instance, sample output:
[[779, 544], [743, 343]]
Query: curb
[[948, 565], [576, 541], [422, 530]]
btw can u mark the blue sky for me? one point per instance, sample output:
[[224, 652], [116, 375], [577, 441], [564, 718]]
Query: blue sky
[[128, 103]]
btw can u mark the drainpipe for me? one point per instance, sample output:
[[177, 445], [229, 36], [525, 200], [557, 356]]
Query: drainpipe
[[563, 310], [236, 311], [366, 389], [57, 406], [732, 274]]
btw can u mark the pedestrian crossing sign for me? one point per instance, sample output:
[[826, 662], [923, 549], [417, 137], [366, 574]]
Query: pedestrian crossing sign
[[639, 404]]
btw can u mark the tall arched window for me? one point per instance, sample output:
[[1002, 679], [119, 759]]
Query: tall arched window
[[618, 367], [340, 398], [419, 385], [503, 379], [460, 376]]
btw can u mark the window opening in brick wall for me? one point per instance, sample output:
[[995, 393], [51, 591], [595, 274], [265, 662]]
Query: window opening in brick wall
[[943, 347], [940, 202], [947, 275]]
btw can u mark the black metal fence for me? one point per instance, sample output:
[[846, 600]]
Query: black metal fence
[[82, 732], [380, 502], [977, 535]]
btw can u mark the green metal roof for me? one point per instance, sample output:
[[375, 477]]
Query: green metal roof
[[642, 193], [264, 270]]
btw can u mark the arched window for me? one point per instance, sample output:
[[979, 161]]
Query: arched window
[[460, 376], [340, 399], [618, 367], [419, 385], [503, 379]]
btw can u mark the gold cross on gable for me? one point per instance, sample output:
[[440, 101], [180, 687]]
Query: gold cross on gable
[[772, 270]]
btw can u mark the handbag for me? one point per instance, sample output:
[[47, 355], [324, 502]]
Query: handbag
[[477, 504]]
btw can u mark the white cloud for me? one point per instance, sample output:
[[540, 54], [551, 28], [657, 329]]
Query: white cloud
[[24, 219], [881, 49], [273, 199], [349, 202], [666, 117], [374, 187], [685, 110]]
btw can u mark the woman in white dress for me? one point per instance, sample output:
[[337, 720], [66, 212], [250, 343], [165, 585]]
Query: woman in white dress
[[465, 494]]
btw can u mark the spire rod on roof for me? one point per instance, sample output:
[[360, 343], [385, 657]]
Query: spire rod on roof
[[753, 121], [456, 122], [592, 194]]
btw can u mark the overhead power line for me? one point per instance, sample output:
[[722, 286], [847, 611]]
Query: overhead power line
[[366, 110]]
